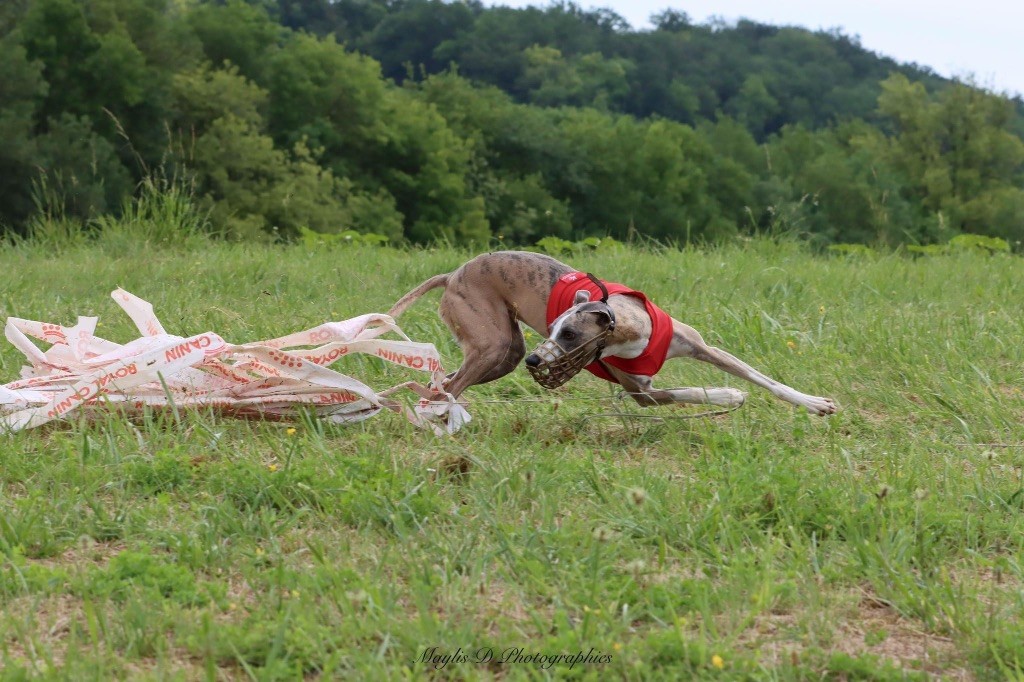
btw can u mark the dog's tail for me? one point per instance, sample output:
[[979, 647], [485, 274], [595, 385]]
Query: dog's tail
[[410, 298]]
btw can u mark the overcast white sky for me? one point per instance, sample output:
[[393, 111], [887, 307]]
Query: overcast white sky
[[983, 37]]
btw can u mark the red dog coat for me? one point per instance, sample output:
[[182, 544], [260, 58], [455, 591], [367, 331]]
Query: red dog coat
[[647, 363]]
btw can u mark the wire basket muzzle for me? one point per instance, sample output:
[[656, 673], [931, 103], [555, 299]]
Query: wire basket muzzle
[[557, 365]]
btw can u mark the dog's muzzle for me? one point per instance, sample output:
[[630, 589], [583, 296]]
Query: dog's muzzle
[[557, 366]]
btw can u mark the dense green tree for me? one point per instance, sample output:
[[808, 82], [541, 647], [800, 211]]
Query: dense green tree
[[406, 41], [110, 61], [206, 94], [647, 176], [514, 151], [754, 106], [493, 51], [839, 190], [238, 33], [22, 88], [382, 138], [79, 174], [962, 162], [11, 13], [424, 166], [253, 188], [319, 17], [327, 95], [586, 80], [56, 34], [737, 170]]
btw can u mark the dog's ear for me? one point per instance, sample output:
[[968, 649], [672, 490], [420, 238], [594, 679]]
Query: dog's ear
[[602, 311], [582, 296], [605, 313]]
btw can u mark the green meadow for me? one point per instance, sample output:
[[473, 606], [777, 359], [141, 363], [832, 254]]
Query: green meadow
[[882, 543]]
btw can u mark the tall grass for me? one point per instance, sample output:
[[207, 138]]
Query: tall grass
[[162, 213]]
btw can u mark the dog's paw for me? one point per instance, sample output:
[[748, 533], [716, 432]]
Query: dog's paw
[[726, 397], [820, 406]]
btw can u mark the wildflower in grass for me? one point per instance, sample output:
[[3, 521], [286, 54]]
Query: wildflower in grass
[[791, 344], [637, 566], [638, 495], [272, 468], [295, 594], [617, 646], [989, 455], [291, 430], [717, 661], [821, 309]]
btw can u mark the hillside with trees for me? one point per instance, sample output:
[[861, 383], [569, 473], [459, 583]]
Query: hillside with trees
[[424, 120]]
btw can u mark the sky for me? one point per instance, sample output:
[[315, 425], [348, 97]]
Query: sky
[[982, 38]]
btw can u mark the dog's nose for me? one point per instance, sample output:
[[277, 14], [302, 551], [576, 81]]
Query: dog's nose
[[532, 360]]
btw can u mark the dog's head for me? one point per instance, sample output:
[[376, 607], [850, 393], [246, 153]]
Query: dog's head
[[575, 339]]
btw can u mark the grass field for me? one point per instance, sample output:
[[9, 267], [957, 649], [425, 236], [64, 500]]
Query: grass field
[[881, 543]]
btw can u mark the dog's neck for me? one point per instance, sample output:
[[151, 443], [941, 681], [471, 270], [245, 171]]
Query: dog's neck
[[632, 328]]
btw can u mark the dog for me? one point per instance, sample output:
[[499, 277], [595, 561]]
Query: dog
[[623, 337]]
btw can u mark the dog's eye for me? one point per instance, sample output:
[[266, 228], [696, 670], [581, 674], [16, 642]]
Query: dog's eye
[[568, 335]]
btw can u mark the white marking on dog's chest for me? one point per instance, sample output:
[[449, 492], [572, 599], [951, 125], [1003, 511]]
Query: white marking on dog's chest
[[627, 350]]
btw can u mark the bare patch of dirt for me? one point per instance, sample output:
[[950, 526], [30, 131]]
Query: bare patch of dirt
[[661, 573], [860, 624], [503, 604], [39, 641], [1009, 391], [86, 553], [874, 627], [179, 665], [44, 623]]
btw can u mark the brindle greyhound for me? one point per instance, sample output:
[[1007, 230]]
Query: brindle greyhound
[[486, 298]]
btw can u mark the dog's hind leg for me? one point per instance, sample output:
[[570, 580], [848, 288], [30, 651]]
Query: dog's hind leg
[[687, 342], [489, 335], [640, 389]]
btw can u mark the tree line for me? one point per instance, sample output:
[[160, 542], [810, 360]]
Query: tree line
[[424, 120]]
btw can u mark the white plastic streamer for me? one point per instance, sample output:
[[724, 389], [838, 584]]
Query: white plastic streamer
[[273, 379]]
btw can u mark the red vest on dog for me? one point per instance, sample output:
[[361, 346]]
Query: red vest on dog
[[647, 363]]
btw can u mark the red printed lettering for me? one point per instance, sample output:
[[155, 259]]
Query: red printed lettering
[[414, 361], [182, 349], [82, 394], [177, 352], [120, 373], [328, 357]]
